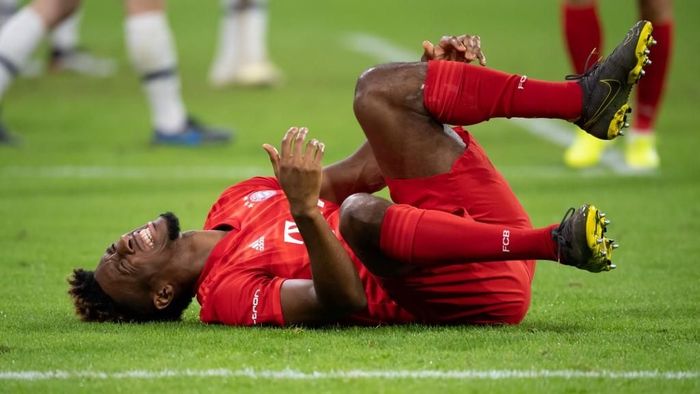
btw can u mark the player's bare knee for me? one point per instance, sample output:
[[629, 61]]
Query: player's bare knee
[[388, 82], [353, 214], [370, 89], [361, 216], [395, 85]]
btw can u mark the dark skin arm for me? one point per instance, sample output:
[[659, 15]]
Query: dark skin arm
[[358, 173], [336, 289]]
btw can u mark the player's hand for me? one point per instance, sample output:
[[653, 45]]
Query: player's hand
[[298, 169], [465, 48]]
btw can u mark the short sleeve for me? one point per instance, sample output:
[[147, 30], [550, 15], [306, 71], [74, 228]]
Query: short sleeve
[[226, 210], [246, 299]]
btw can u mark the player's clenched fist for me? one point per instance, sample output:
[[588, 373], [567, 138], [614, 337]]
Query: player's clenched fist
[[298, 168]]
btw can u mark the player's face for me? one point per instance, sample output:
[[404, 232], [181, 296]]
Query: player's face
[[130, 267]]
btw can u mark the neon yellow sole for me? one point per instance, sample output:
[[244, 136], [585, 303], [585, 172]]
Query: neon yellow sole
[[619, 121], [645, 40], [600, 246], [642, 52]]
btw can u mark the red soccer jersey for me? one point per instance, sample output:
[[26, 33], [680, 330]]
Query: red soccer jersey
[[241, 281]]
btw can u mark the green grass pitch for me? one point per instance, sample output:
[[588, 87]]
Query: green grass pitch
[[85, 173]]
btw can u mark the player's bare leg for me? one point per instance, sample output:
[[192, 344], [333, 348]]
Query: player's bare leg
[[409, 141], [389, 107], [380, 114]]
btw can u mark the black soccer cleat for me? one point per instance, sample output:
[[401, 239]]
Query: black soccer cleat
[[581, 240], [607, 85]]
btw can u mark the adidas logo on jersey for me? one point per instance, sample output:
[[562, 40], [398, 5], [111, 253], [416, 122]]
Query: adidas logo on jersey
[[258, 244]]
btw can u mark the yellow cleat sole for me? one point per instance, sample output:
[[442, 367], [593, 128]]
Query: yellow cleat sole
[[644, 41], [619, 121], [600, 246]]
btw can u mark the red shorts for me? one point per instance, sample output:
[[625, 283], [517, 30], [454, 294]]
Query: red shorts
[[475, 293]]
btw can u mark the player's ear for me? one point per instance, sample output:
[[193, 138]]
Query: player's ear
[[163, 297]]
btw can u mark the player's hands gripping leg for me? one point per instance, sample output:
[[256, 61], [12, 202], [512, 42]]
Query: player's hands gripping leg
[[465, 48]]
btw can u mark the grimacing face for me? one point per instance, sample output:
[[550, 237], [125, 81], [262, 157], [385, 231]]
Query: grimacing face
[[133, 267]]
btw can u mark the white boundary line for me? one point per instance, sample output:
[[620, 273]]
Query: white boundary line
[[126, 172], [378, 48], [291, 374], [207, 172], [550, 130]]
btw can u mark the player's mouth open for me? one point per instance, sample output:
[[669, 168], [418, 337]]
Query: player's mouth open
[[146, 236]]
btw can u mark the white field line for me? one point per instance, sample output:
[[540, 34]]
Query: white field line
[[130, 172], [550, 130], [379, 49], [290, 374]]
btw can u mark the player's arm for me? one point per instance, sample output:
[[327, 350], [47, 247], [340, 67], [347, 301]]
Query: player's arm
[[358, 173], [336, 289]]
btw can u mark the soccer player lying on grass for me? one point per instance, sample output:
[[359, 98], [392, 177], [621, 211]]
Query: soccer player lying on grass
[[312, 246]]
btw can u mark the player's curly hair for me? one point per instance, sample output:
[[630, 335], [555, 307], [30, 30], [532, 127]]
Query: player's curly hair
[[92, 304]]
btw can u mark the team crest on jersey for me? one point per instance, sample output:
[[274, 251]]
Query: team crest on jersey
[[259, 196]]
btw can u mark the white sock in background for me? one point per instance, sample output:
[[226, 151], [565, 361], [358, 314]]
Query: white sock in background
[[18, 39], [227, 51], [242, 38], [64, 37], [253, 33], [150, 46]]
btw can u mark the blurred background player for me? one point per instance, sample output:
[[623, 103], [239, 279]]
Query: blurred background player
[[583, 33], [65, 52], [67, 55], [150, 46], [241, 57]]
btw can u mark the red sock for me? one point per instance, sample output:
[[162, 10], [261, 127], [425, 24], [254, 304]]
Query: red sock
[[462, 94], [651, 87], [422, 236], [583, 33]]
